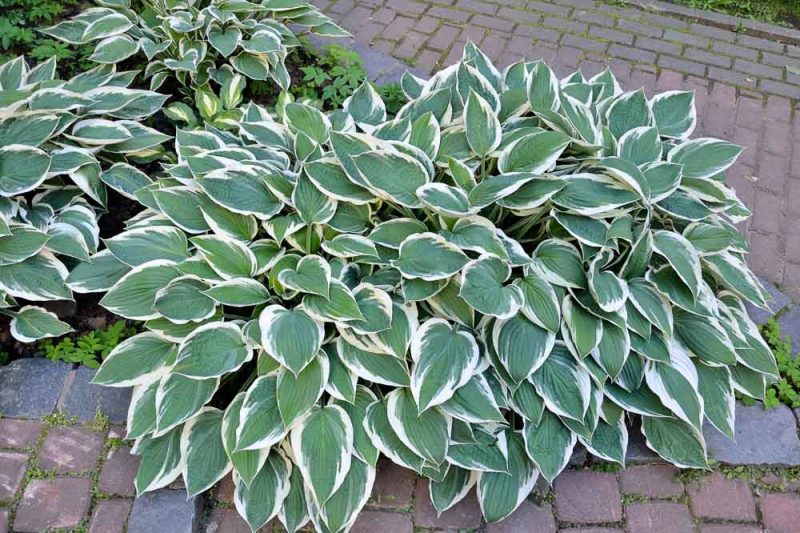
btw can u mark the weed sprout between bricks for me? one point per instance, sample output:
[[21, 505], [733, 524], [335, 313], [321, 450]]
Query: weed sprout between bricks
[[507, 267]]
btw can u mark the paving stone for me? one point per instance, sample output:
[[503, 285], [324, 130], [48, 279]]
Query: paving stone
[[587, 497], [372, 521], [16, 433], [527, 517], [29, 388], [464, 514], [717, 497], [730, 528], [226, 520], [165, 511], [637, 451], [4, 520], [394, 486], [83, 399], [662, 517], [781, 512], [119, 472], [790, 326], [110, 516], [591, 530], [53, 503], [12, 472], [652, 481], [779, 301], [71, 449], [752, 424]]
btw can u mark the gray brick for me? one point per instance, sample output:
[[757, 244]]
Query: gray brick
[[491, 22], [583, 43], [780, 60], [707, 57], [538, 33], [682, 65], [30, 387], [611, 35], [166, 511], [788, 90], [534, 5], [757, 69], [443, 37], [477, 7], [632, 53], [761, 44], [527, 17], [714, 33], [665, 21], [686, 38], [409, 7], [564, 24], [640, 29], [398, 28], [728, 76], [658, 45], [594, 17], [734, 50], [449, 14]]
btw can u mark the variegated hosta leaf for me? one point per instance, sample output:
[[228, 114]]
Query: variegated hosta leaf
[[510, 266]]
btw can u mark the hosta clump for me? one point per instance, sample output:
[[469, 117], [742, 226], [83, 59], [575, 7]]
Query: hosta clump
[[60, 143], [222, 41], [512, 265]]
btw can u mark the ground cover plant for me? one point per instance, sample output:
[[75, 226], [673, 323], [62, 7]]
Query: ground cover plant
[[510, 265]]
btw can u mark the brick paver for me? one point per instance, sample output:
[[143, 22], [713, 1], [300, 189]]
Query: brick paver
[[717, 497], [738, 74], [53, 503], [587, 497]]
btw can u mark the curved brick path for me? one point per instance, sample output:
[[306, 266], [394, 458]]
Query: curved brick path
[[747, 87]]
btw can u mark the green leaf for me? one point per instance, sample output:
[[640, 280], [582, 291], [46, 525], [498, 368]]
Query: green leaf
[[628, 111], [482, 125], [31, 323], [482, 287], [378, 169], [114, 49], [429, 257], [675, 441], [238, 292], [374, 367], [137, 360], [426, 433], [705, 157], [260, 501], [290, 336], [228, 257], [260, 425], [535, 153], [179, 398], [674, 113], [204, 459], [22, 169], [297, 394], [311, 275], [444, 360], [564, 386], [323, 443], [499, 494], [160, 463], [211, 351], [549, 444], [522, 346]]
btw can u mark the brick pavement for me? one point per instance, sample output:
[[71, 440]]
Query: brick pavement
[[79, 477], [747, 86]]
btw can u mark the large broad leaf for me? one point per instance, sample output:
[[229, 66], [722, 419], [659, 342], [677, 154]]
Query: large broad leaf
[[540, 302], [20, 243], [134, 295], [426, 433], [429, 256], [22, 169], [676, 384], [204, 459], [705, 338], [290, 336], [675, 113], [474, 402], [378, 368], [482, 287], [716, 388], [452, 489], [675, 441], [259, 501], [31, 323], [311, 275], [499, 494], [212, 350], [137, 360], [444, 360], [297, 394], [179, 398], [160, 463], [38, 278], [379, 429], [260, 425], [482, 125], [380, 169], [564, 386], [228, 257], [681, 255], [559, 263], [322, 445], [245, 463], [138, 246], [705, 157], [521, 346], [549, 444]]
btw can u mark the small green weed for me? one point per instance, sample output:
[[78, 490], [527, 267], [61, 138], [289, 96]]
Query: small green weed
[[783, 12], [88, 349], [337, 73], [59, 418], [606, 466], [99, 423], [787, 389], [393, 96]]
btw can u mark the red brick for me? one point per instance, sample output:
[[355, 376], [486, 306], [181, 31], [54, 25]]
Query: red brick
[[227, 520], [653, 481], [372, 521], [398, 28], [12, 471], [718, 497], [19, 433], [110, 516], [225, 489], [3, 520], [527, 517], [662, 517], [71, 449], [591, 530], [464, 514], [781, 512], [53, 503], [394, 486], [587, 497], [768, 217], [119, 472]]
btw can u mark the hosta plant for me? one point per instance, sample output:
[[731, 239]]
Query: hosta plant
[[512, 265], [61, 142], [197, 41]]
